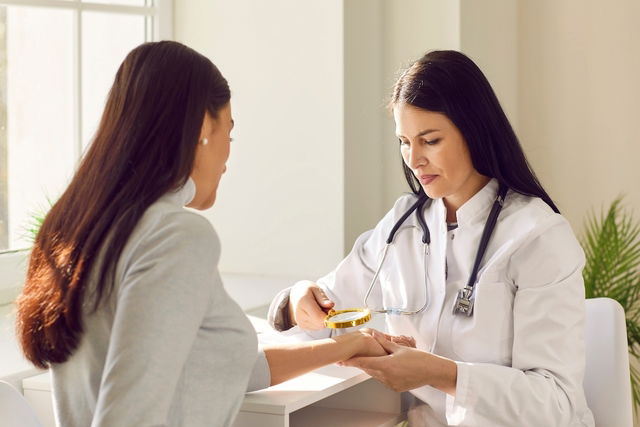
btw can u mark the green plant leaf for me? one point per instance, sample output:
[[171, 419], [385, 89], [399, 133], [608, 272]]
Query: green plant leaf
[[611, 244]]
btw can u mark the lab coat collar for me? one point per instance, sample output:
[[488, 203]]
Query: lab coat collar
[[477, 207], [184, 195]]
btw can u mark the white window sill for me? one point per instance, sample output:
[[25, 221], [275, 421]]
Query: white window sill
[[13, 268]]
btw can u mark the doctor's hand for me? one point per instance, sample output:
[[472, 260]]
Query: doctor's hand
[[308, 305], [364, 344], [406, 368]]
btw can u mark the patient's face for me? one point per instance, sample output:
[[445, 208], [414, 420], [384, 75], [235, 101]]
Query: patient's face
[[210, 160]]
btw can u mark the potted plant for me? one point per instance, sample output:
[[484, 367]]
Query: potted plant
[[611, 244]]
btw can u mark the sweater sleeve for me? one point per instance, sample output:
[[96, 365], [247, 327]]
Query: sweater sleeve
[[543, 387], [166, 287], [261, 374]]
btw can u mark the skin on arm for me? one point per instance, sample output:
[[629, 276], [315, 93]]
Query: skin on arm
[[405, 368], [291, 360]]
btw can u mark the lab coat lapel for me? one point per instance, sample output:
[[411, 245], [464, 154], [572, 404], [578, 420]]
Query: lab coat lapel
[[436, 220]]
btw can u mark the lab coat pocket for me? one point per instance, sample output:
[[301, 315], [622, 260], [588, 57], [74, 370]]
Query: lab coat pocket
[[487, 335]]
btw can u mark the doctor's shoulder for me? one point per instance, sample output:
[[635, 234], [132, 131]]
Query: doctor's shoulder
[[374, 239], [401, 205], [534, 224]]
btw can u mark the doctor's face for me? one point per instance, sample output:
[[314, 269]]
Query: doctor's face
[[211, 158], [437, 154]]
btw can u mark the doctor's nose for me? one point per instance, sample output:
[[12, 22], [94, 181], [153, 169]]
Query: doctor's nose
[[415, 157]]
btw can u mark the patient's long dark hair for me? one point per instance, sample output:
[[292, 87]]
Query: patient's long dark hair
[[450, 83], [144, 147]]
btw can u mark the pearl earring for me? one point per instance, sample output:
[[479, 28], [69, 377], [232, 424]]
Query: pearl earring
[[204, 141]]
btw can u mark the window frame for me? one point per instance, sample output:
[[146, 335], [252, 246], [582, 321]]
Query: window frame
[[158, 26]]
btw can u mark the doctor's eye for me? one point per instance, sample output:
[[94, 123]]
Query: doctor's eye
[[432, 141]]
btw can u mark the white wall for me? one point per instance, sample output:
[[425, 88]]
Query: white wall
[[316, 161], [489, 35], [280, 206], [364, 117], [579, 100], [410, 29]]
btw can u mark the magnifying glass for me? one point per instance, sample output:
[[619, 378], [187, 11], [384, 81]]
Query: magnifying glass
[[338, 319]]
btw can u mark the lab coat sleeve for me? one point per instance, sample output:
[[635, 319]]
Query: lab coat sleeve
[[343, 286], [278, 315], [160, 306], [544, 385]]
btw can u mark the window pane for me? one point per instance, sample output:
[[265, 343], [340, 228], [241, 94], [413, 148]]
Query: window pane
[[120, 2], [102, 52], [39, 106]]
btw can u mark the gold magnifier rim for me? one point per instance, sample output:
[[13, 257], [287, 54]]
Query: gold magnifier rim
[[350, 323]]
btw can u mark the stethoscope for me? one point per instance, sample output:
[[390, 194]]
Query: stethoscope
[[465, 297]]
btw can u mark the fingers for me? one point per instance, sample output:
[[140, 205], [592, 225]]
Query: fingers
[[403, 340], [360, 362], [310, 315], [308, 305], [314, 306], [389, 346], [370, 365], [321, 298]]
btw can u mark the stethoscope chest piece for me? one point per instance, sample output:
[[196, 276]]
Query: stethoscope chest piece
[[464, 301]]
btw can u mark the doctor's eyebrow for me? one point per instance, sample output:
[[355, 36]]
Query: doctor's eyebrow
[[421, 133]]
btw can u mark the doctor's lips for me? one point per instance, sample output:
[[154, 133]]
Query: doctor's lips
[[426, 179]]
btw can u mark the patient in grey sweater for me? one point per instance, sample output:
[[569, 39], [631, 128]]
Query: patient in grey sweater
[[123, 300], [170, 347]]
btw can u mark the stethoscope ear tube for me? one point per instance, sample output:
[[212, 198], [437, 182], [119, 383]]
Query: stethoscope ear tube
[[465, 298], [426, 238], [486, 233]]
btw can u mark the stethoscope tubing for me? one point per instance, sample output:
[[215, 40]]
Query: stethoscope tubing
[[426, 240]]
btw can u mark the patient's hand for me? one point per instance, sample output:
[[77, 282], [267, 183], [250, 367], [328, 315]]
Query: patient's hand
[[366, 344]]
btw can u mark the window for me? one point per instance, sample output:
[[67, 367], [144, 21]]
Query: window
[[57, 62]]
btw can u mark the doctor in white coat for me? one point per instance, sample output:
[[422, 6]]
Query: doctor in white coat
[[503, 346]]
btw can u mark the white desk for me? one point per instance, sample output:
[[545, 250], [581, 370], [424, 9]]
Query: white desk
[[329, 396]]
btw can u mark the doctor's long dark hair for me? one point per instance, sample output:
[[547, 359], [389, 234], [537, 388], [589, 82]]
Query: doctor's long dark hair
[[450, 83], [144, 147]]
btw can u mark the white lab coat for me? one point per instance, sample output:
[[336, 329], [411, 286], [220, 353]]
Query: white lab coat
[[521, 355]]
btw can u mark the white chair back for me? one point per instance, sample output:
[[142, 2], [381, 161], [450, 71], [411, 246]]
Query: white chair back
[[607, 384], [14, 408]]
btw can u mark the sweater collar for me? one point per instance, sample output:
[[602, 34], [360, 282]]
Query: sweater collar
[[183, 195]]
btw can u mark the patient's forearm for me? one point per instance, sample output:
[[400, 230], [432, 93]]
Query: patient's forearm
[[290, 360]]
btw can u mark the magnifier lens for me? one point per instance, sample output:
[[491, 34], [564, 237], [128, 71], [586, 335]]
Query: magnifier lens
[[337, 319]]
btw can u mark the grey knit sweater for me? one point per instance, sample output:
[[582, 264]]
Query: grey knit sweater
[[170, 347]]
